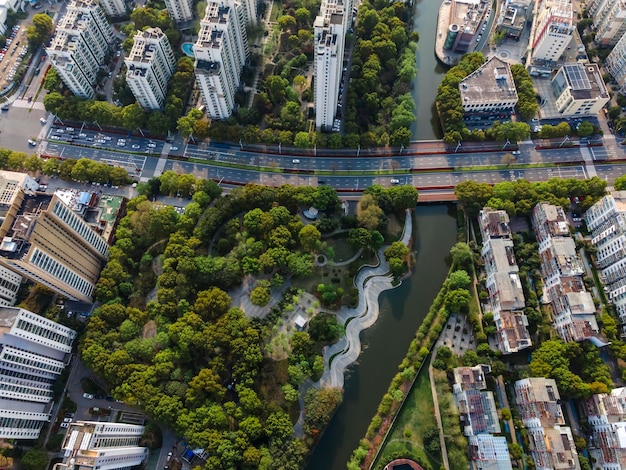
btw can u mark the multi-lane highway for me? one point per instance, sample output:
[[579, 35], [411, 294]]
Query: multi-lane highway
[[345, 171]]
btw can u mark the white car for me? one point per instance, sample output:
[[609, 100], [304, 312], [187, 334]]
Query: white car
[[67, 420], [152, 146], [55, 137], [394, 181], [64, 425], [121, 140], [173, 148], [106, 137], [88, 396], [136, 146], [69, 129], [516, 152], [121, 144], [295, 161], [32, 142], [43, 121], [100, 141]]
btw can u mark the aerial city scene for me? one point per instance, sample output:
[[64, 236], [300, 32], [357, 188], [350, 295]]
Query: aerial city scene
[[312, 234]]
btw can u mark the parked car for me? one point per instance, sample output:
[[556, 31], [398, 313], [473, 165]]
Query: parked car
[[88, 396], [394, 181], [43, 121]]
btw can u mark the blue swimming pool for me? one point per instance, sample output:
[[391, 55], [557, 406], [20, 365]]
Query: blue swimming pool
[[187, 48]]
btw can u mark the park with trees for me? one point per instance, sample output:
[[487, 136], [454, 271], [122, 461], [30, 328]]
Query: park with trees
[[169, 337]]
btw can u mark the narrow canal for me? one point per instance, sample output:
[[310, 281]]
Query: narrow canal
[[386, 343], [429, 71]]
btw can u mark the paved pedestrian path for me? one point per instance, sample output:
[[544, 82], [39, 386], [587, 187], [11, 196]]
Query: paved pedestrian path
[[370, 282]]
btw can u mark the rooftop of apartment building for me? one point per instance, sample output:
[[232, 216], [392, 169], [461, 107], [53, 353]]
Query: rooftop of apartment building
[[8, 316], [492, 82], [555, 447], [478, 411], [510, 292], [538, 390], [491, 451], [143, 47], [513, 331], [216, 12], [503, 255], [554, 219], [210, 38], [494, 223], [580, 303], [206, 67], [64, 41], [611, 405], [468, 14], [471, 377], [583, 80], [563, 250]]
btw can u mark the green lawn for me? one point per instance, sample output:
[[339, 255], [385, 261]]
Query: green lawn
[[415, 416], [343, 249]]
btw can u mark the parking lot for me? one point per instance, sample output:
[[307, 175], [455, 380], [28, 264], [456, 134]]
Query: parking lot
[[12, 55]]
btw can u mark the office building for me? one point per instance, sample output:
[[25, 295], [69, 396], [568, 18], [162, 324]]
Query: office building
[[551, 442], [80, 45], [221, 51], [615, 63], [609, 20], [14, 187], [488, 89], [113, 7], [489, 452], [512, 18], [180, 10], [50, 244], [150, 65], [552, 31], [329, 40], [606, 414], [90, 445], [606, 220], [579, 90], [33, 353], [506, 296]]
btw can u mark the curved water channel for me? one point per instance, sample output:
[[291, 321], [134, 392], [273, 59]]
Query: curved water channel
[[385, 344]]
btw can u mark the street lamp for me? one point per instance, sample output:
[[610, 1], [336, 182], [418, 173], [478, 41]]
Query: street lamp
[[240, 143], [506, 143], [458, 146], [564, 140], [358, 151]]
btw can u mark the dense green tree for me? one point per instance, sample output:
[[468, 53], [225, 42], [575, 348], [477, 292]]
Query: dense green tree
[[40, 30]]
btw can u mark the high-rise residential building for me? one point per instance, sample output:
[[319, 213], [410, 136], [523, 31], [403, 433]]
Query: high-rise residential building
[[606, 220], [80, 45], [609, 20], [552, 30], [579, 90], [606, 414], [92, 445], [50, 244], [9, 286], [329, 41], [221, 51], [615, 63], [180, 10], [33, 353], [113, 7], [551, 443], [573, 309], [14, 187], [506, 296], [150, 65]]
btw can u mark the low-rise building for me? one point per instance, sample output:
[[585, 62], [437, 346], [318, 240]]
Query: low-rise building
[[34, 351], [90, 445], [573, 309], [551, 442], [471, 378], [606, 414], [579, 90], [476, 406], [512, 19], [489, 88], [506, 296], [467, 21], [489, 452]]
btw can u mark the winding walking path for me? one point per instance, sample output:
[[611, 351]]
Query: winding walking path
[[370, 282]]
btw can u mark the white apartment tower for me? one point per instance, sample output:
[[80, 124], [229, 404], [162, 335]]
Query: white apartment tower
[[609, 20], [92, 445], [80, 45], [150, 65], [329, 40], [615, 63], [180, 10], [113, 7], [221, 52], [33, 353], [552, 30]]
